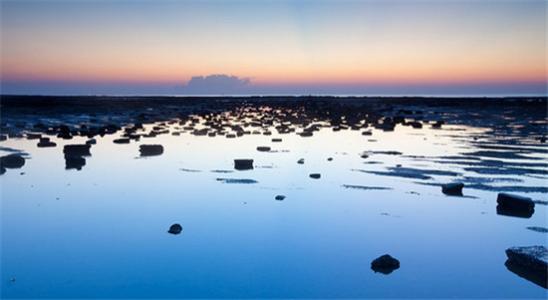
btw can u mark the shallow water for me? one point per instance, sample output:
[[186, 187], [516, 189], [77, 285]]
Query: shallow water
[[102, 231]]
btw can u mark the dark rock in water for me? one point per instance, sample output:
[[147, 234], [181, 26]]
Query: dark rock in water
[[453, 189], [529, 262], [510, 204], [279, 197], [315, 175], [3, 137], [77, 150], [385, 264], [33, 136], [12, 161], [151, 150], [230, 136], [237, 180], [306, 134], [329, 158], [300, 161], [416, 124], [243, 164], [276, 140], [175, 229], [2, 170], [367, 132], [538, 229], [91, 142], [263, 148], [74, 162], [122, 141], [45, 142]]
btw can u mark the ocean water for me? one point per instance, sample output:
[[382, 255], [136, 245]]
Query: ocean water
[[101, 232]]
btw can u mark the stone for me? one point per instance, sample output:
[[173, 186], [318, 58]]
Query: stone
[[515, 202], [315, 175], [12, 161], [121, 141], [151, 150], [300, 161], [279, 197], [276, 140], [263, 148], [385, 264], [452, 189], [530, 262], [243, 164], [77, 150], [175, 229]]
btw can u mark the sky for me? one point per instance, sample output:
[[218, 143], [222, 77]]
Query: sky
[[167, 47]]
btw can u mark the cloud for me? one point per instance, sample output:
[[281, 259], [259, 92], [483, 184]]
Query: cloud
[[217, 84]]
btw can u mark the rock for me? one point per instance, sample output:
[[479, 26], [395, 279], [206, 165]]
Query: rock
[[367, 132], [279, 197], [315, 175], [175, 229], [2, 170], [515, 205], [3, 137], [12, 161], [276, 140], [329, 158], [77, 150], [300, 161], [453, 189], [151, 150], [33, 136], [91, 142], [45, 142], [121, 141], [243, 164], [385, 264], [538, 229], [263, 148], [529, 262]]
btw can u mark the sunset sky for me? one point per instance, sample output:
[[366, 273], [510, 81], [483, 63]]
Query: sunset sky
[[274, 47]]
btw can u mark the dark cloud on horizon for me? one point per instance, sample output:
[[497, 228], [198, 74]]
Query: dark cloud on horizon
[[217, 84]]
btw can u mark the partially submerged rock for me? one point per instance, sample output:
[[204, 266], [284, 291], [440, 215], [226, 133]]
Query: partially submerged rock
[[175, 229], [151, 150], [515, 205], [45, 142], [300, 161], [315, 175], [529, 262], [77, 150], [452, 189], [385, 264], [243, 164], [12, 161], [263, 148], [276, 140], [279, 197], [121, 141]]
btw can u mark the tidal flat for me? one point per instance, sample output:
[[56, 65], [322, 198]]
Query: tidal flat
[[274, 197]]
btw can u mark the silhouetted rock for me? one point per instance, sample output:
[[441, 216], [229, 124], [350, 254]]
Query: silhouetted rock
[[3, 137], [515, 205], [279, 197], [12, 161], [2, 170], [151, 150], [315, 175], [530, 262], [276, 140], [263, 148], [385, 264], [367, 132], [300, 161], [538, 229], [77, 150], [329, 158], [175, 229], [243, 164], [33, 136], [91, 142], [121, 141], [453, 189], [45, 142]]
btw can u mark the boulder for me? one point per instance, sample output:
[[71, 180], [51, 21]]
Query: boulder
[[151, 150], [77, 150], [276, 140], [300, 161], [385, 264], [121, 141], [452, 189], [263, 148], [45, 142], [243, 164], [315, 175], [175, 229], [529, 262], [515, 202], [279, 197], [12, 161]]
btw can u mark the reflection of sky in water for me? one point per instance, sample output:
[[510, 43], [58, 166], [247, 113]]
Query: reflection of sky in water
[[101, 232]]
